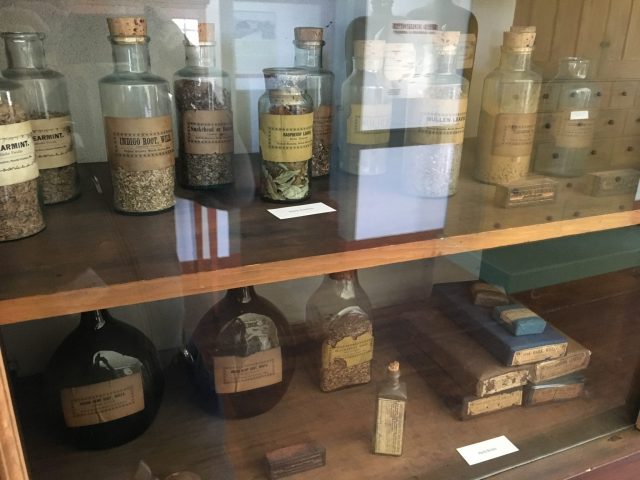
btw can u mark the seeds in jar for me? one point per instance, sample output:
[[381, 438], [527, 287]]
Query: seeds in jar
[[143, 192], [58, 184]]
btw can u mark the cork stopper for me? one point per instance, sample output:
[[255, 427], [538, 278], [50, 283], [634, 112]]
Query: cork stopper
[[127, 26], [368, 48], [206, 32], [346, 275], [394, 367], [519, 40], [308, 34]]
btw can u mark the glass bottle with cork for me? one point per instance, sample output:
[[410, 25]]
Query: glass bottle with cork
[[20, 208], [365, 119], [136, 107], [390, 413], [48, 106], [286, 136], [205, 117], [435, 125], [508, 113], [339, 326], [308, 54]]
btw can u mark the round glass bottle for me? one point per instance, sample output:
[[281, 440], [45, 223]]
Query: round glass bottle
[[286, 136], [136, 106], [308, 55], [365, 119], [338, 318], [205, 118], [242, 353], [48, 106], [100, 363], [20, 210], [575, 122]]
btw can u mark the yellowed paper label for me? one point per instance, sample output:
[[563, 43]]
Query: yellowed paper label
[[351, 351], [17, 154], [506, 381], [389, 426], [286, 138], [399, 61], [238, 374], [102, 402], [208, 132], [139, 144], [322, 125], [53, 138], [438, 121], [514, 133], [537, 354], [493, 403], [550, 394], [510, 316], [466, 52], [560, 366], [368, 124], [574, 133]]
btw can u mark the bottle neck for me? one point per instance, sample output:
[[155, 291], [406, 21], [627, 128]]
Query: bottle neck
[[393, 378], [131, 57], [242, 294], [515, 60], [94, 319], [308, 56], [447, 63], [25, 52], [345, 283], [200, 56]]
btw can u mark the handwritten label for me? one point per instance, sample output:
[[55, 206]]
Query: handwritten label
[[300, 210], [487, 450]]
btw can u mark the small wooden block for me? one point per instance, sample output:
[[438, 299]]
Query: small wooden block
[[487, 295], [519, 320], [560, 389], [295, 459]]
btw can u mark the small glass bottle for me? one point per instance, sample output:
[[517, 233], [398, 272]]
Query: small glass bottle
[[435, 125], [338, 318], [508, 113], [205, 118], [48, 106], [308, 55], [105, 382], [242, 354], [390, 413], [366, 113], [575, 122], [286, 136], [136, 106], [20, 209]]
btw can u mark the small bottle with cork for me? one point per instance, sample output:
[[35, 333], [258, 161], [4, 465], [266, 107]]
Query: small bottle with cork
[[390, 413]]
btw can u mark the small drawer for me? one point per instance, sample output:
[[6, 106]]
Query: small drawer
[[626, 153], [545, 126], [549, 94], [632, 125], [600, 155], [574, 96], [610, 123], [600, 94], [623, 94]]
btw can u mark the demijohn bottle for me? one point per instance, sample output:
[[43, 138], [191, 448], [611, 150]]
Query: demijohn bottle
[[105, 382], [48, 106], [242, 353]]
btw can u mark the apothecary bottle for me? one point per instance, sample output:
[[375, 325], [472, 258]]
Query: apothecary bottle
[[435, 125], [136, 107], [104, 382], [339, 326], [308, 55], [48, 105], [242, 355], [508, 113], [574, 124], [20, 209], [286, 136], [391, 408], [365, 118], [205, 117]]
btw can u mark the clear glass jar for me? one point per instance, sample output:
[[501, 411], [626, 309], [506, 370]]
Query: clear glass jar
[[205, 117], [20, 209], [435, 125], [308, 55], [365, 118], [48, 105], [286, 136], [508, 114], [575, 122], [136, 106], [339, 325]]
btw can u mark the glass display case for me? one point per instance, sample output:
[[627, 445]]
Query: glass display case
[[509, 305]]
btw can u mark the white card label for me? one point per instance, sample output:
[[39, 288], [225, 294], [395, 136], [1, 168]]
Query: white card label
[[579, 115], [637, 193], [487, 450], [300, 210]]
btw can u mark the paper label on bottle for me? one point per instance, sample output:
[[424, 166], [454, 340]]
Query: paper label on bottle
[[286, 138], [506, 381], [399, 61], [466, 51], [102, 402], [368, 124], [515, 314], [514, 133], [234, 374], [139, 144], [574, 133], [389, 426], [493, 403], [207, 132], [53, 139], [352, 351], [435, 121], [560, 366], [17, 154], [322, 125], [537, 354]]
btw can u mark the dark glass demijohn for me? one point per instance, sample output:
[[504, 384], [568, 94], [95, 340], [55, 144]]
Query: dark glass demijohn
[[105, 382], [242, 352]]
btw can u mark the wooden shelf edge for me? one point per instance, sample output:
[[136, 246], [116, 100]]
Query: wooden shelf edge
[[34, 307]]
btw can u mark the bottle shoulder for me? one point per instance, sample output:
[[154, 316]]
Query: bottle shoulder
[[199, 73], [133, 78], [32, 74]]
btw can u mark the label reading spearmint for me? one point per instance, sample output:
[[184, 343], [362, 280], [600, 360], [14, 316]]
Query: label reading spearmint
[[17, 154], [286, 138], [389, 426], [208, 132], [53, 138], [368, 124]]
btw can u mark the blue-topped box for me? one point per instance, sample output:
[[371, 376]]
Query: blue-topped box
[[519, 320]]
